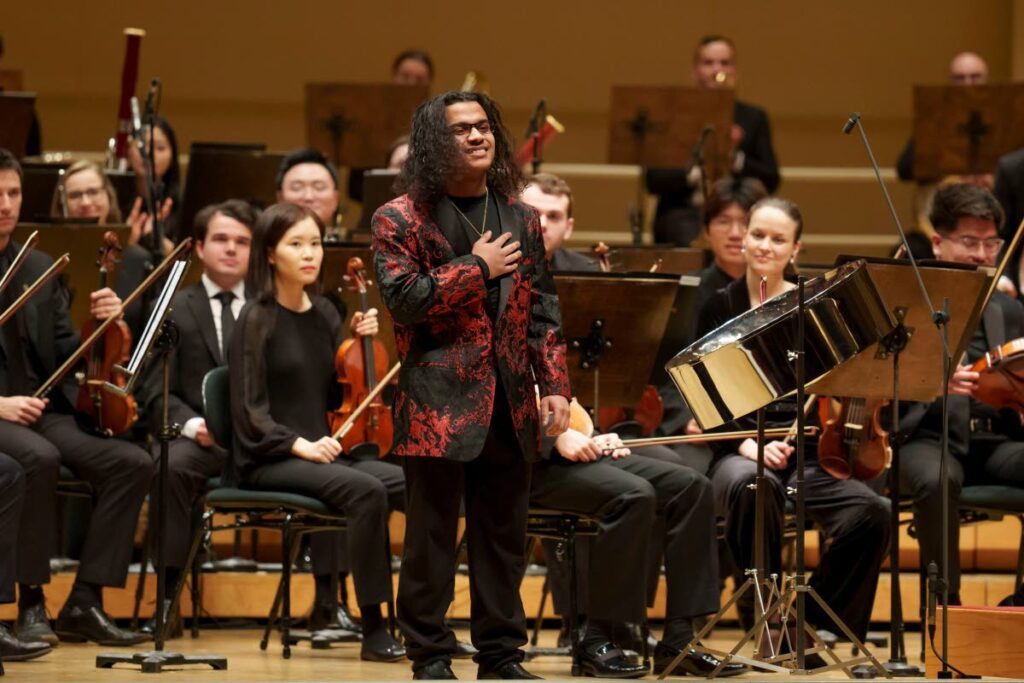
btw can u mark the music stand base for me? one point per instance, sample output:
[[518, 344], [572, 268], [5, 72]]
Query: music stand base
[[154, 661]]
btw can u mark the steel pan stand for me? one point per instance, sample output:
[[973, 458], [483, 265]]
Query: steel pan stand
[[796, 588]]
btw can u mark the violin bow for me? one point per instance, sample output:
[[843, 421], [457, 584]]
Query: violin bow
[[19, 260], [51, 272], [365, 403], [704, 438]]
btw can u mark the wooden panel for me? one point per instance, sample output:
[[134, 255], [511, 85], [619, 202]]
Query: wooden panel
[[983, 641]]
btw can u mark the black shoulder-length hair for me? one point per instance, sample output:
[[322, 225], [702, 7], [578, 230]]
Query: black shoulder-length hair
[[270, 227], [434, 153]]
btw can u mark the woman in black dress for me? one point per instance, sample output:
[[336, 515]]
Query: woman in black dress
[[282, 381], [853, 517]]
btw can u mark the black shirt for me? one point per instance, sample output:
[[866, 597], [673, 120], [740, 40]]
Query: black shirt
[[471, 221], [23, 371], [282, 380]]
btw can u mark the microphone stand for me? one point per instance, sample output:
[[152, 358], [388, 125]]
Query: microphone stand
[[940, 318], [539, 114]]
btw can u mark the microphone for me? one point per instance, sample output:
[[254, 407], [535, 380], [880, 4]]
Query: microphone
[[851, 123], [933, 592], [136, 119], [697, 156], [537, 119]]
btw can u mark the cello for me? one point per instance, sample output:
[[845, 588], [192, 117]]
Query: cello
[[108, 412], [359, 362]]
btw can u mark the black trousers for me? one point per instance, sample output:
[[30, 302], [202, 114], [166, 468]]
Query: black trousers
[[119, 473], [681, 529], [496, 490], [855, 520], [697, 457], [329, 551], [360, 496], [990, 461], [12, 496], [189, 466]]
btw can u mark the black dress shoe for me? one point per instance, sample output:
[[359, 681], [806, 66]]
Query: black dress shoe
[[77, 624], [463, 650], [16, 650], [509, 671], [694, 663], [608, 661], [173, 626], [391, 651], [34, 625], [334, 617], [435, 671]]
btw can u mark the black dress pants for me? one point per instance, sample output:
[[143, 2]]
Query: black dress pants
[[119, 473], [990, 461], [329, 551], [12, 496], [496, 488], [189, 466], [854, 518], [363, 500]]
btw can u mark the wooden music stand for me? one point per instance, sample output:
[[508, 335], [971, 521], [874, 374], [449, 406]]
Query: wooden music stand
[[354, 124], [15, 120], [82, 242], [965, 129], [336, 256], [674, 260], [658, 126], [221, 171], [613, 341], [869, 375], [11, 79]]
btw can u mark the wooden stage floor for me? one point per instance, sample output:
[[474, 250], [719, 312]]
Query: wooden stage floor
[[246, 662]]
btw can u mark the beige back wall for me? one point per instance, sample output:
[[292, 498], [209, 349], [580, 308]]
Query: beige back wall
[[234, 70]]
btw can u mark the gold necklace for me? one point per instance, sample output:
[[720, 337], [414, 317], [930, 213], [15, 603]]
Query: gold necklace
[[483, 227]]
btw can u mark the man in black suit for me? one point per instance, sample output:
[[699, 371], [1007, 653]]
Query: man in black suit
[[986, 445], [204, 314], [677, 218], [552, 198], [42, 434]]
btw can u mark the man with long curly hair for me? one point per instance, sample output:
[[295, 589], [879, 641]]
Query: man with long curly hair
[[461, 268]]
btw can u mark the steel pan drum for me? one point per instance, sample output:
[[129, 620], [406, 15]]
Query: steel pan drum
[[747, 363]]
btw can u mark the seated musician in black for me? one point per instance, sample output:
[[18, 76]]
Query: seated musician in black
[[986, 445], [282, 379], [42, 434], [640, 502], [12, 499], [854, 518], [678, 189], [724, 218]]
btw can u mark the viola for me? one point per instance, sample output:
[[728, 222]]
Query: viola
[[110, 412], [1001, 383], [853, 442], [359, 363]]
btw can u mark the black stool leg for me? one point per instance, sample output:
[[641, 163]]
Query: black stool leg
[[286, 578], [570, 541]]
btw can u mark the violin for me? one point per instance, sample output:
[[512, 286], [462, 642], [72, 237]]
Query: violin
[[359, 362], [1001, 381], [110, 412], [853, 442]]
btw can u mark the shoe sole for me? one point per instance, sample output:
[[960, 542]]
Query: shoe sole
[[50, 638], [590, 672], [26, 657], [68, 637]]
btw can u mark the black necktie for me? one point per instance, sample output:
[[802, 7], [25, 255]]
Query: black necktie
[[227, 321]]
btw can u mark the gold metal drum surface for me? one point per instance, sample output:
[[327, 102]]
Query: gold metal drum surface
[[748, 362]]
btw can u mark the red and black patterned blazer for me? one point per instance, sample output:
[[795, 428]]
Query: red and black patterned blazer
[[449, 348]]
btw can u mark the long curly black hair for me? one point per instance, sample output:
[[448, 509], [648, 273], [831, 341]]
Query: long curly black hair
[[434, 153]]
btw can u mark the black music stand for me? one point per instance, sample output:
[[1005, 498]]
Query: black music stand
[[160, 335], [378, 184], [665, 127], [910, 376], [220, 171], [612, 340], [15, 120]]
